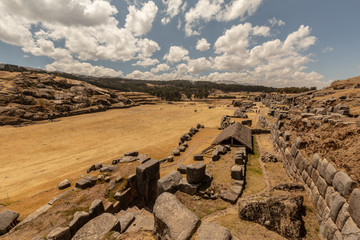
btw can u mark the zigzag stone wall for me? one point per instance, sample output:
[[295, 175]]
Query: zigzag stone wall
[[333, 193]]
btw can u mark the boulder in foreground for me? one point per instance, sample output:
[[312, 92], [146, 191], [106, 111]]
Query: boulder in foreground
[[172, 219], [98, 227]]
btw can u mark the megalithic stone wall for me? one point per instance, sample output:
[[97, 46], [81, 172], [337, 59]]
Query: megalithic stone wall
[[333, 193]]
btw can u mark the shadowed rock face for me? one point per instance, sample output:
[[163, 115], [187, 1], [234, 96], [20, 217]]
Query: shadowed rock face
[[281, 214]]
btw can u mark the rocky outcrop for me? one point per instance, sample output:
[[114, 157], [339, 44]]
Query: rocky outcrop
[[172, 219], [281, 214], [169, 183], [27, 97]]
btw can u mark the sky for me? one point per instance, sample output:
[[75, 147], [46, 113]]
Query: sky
[[274, 43]]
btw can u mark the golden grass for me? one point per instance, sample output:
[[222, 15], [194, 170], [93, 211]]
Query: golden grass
[[36, 158]]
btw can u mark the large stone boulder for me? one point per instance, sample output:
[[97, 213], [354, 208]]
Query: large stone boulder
[[147, 175], [79, 220], [8, 219], [108, 168], [212, 231], [169, 183], [238, 172], [96, 208], [172, 219], [64, 184], [98, 227], [281, 214], [343, 183], [195, 172], [189, 188], [86, 182]]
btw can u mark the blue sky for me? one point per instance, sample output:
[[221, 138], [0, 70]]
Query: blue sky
[[269, 42]]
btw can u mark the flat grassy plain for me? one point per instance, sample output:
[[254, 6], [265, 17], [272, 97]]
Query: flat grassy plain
[[35, 158]]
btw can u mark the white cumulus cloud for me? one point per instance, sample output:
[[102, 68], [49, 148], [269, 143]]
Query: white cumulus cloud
[[172, 9], [202, 45], [84, 68], [160, 68], [176, 54], [207, 10], [140, 21], [145, 62]]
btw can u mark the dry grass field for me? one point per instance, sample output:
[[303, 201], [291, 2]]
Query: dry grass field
[[34, 159]]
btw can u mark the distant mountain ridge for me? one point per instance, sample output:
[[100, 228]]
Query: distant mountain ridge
[[170, 90]]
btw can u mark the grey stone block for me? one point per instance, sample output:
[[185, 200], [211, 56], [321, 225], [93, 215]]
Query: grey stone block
[[96, 208], [304, 176], [294, 151], [337, 235], [350, 231], [309, 182], [308, 169], [343, 215], [188, 188], [322, 166], [237, 172], [98, 227], [354, 206], [336, 206], [329, 195], [172, 219], [322, 186], [108, 168], [182, 168], [321, 206], [315, 175], [212, 231], [86, 182], [60, 233], [169, 183], [229, 196], [147, 175], [328, 229], [79, 220], [7, 219], [195, 172], [343, 183], [329, 173], [64, 184], [288, 156], [125, 221]]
